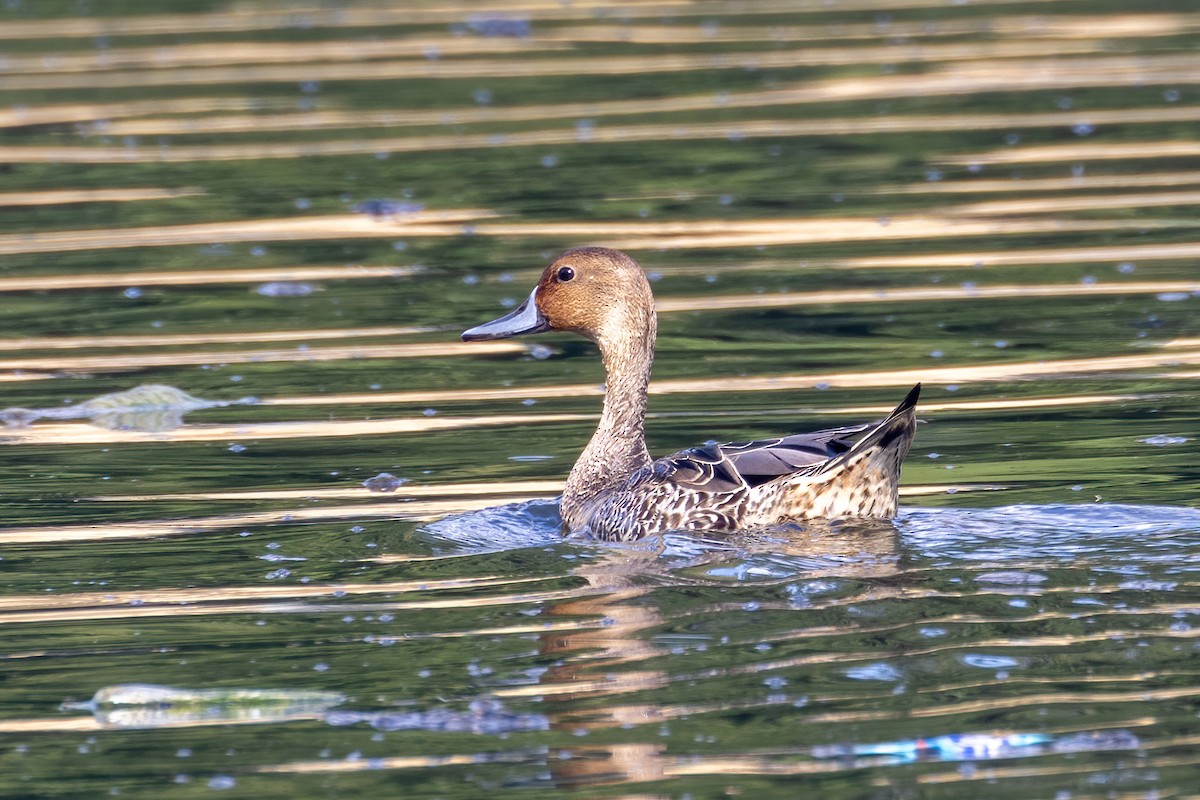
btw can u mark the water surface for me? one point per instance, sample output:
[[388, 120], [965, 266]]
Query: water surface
[[277, 219]]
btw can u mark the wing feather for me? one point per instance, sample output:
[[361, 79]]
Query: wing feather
[[734, 466]]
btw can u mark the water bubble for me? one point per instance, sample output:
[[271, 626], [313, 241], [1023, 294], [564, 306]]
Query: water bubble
[[237, 448], [482, 96], [221, 782], [285, 289], [874, 672], [549, 161], [1083, 129], [320, 666], [1126, 267], [988, 661], [1012, 139], [1171, 95], [430, 412], [132, 293]]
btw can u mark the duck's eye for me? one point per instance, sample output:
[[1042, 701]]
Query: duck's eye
[[565, 274]]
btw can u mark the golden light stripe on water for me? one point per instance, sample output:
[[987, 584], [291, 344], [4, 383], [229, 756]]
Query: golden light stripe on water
[[1017, 60], [80, 433], [187, 596], [630, 235], [318, 17], [835, 126], [181, 339], [1082, 151], [1048, 26], [119, 363], [199, 278], [50, 114], [393, 510], [393, 762], [493, 490], [226, 53], [1042, 205], [1057, 255], [270, 607], [68, 196], [722, 302], [1072, 183], [302, 228]]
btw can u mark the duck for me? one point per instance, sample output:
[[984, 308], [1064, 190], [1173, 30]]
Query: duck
[[616, 491]]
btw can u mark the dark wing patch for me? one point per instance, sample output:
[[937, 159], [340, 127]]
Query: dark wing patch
[[763, 461], [722, 468]]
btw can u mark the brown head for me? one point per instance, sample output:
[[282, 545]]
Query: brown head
[[599, 293]]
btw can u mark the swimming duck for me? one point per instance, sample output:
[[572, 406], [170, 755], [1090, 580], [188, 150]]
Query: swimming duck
[[616, 491]]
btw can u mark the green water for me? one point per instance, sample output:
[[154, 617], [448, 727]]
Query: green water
[[834, 201]]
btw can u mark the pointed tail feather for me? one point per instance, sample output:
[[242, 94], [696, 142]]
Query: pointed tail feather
[[893, 435]]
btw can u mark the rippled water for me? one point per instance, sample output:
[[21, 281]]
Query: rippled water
[[237, 245]]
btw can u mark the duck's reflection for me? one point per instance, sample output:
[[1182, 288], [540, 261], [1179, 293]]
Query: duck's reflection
[[593, 667]]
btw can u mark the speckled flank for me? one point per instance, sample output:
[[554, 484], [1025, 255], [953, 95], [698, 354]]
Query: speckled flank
[[863, 482]]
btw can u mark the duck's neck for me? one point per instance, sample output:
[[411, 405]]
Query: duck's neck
[[618, 447]]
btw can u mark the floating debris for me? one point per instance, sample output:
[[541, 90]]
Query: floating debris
[[145, 705], [151, 407], [384, 482], [1162, 440]]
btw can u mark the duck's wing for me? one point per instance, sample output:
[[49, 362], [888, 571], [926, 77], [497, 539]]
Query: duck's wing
[[730, 467]]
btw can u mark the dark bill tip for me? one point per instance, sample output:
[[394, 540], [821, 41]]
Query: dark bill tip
[[525, 319]]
